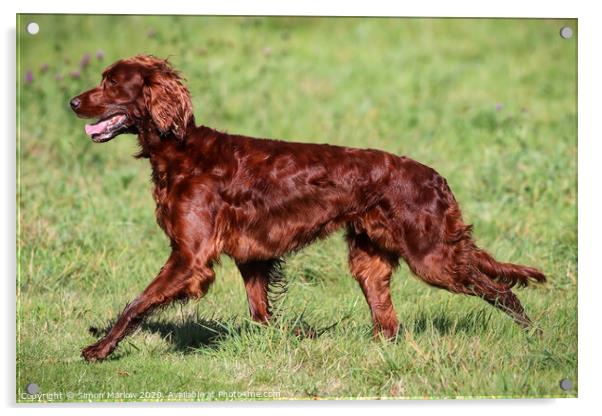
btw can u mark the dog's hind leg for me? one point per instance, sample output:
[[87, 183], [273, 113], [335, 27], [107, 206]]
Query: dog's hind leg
[[448, 268], [502, 298], [372, 268], [262, 279]]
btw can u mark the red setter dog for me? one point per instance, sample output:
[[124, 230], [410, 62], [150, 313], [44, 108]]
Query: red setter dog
[[257, 200]]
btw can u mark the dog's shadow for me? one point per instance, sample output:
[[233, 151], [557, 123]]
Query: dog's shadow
[[476, 321], [184, 335], [194, 332]]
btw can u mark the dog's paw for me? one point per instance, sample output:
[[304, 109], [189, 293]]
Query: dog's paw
[[96, 352]]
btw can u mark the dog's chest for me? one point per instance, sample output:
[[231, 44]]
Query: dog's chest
[[160, 195]]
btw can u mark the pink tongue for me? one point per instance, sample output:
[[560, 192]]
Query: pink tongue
[[97, 128]]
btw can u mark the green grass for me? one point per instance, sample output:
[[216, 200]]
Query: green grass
[[490, 104]]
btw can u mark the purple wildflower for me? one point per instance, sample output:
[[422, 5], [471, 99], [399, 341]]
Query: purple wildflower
[[498, 107], [75, 74], [28, 77], [83, 64], [58, 77], [100, 55], [44, 68]]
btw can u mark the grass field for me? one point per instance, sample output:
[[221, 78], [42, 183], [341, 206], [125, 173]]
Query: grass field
[[490, 104]]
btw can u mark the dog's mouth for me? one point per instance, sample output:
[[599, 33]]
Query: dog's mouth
[[106, 128]]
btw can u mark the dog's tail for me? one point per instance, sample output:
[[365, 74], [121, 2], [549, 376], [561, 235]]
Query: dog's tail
[[507, 273]]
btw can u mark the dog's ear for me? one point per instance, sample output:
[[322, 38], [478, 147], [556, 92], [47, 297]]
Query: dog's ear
[[168, 101]]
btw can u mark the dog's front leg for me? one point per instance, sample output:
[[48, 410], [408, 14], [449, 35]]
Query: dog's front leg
[[181, 277], [256, 275]]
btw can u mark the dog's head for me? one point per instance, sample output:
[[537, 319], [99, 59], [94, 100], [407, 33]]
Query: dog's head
[[132, 93]]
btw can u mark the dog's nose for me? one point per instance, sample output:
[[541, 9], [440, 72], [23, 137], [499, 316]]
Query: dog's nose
[[75, 103]]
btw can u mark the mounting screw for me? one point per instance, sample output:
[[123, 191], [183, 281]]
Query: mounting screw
[[32, 388], [566, 384], [566, 32], [32, 28]]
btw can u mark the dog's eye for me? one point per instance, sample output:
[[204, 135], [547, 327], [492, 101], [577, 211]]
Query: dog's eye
[[112, 81]]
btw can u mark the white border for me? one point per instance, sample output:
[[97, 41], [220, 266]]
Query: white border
[[590, 176]]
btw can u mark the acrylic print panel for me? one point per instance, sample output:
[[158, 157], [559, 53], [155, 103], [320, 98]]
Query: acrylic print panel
[[489, 104]]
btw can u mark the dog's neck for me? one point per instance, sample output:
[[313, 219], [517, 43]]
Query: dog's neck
[[149, 140], [162, 150], [153, 143]]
